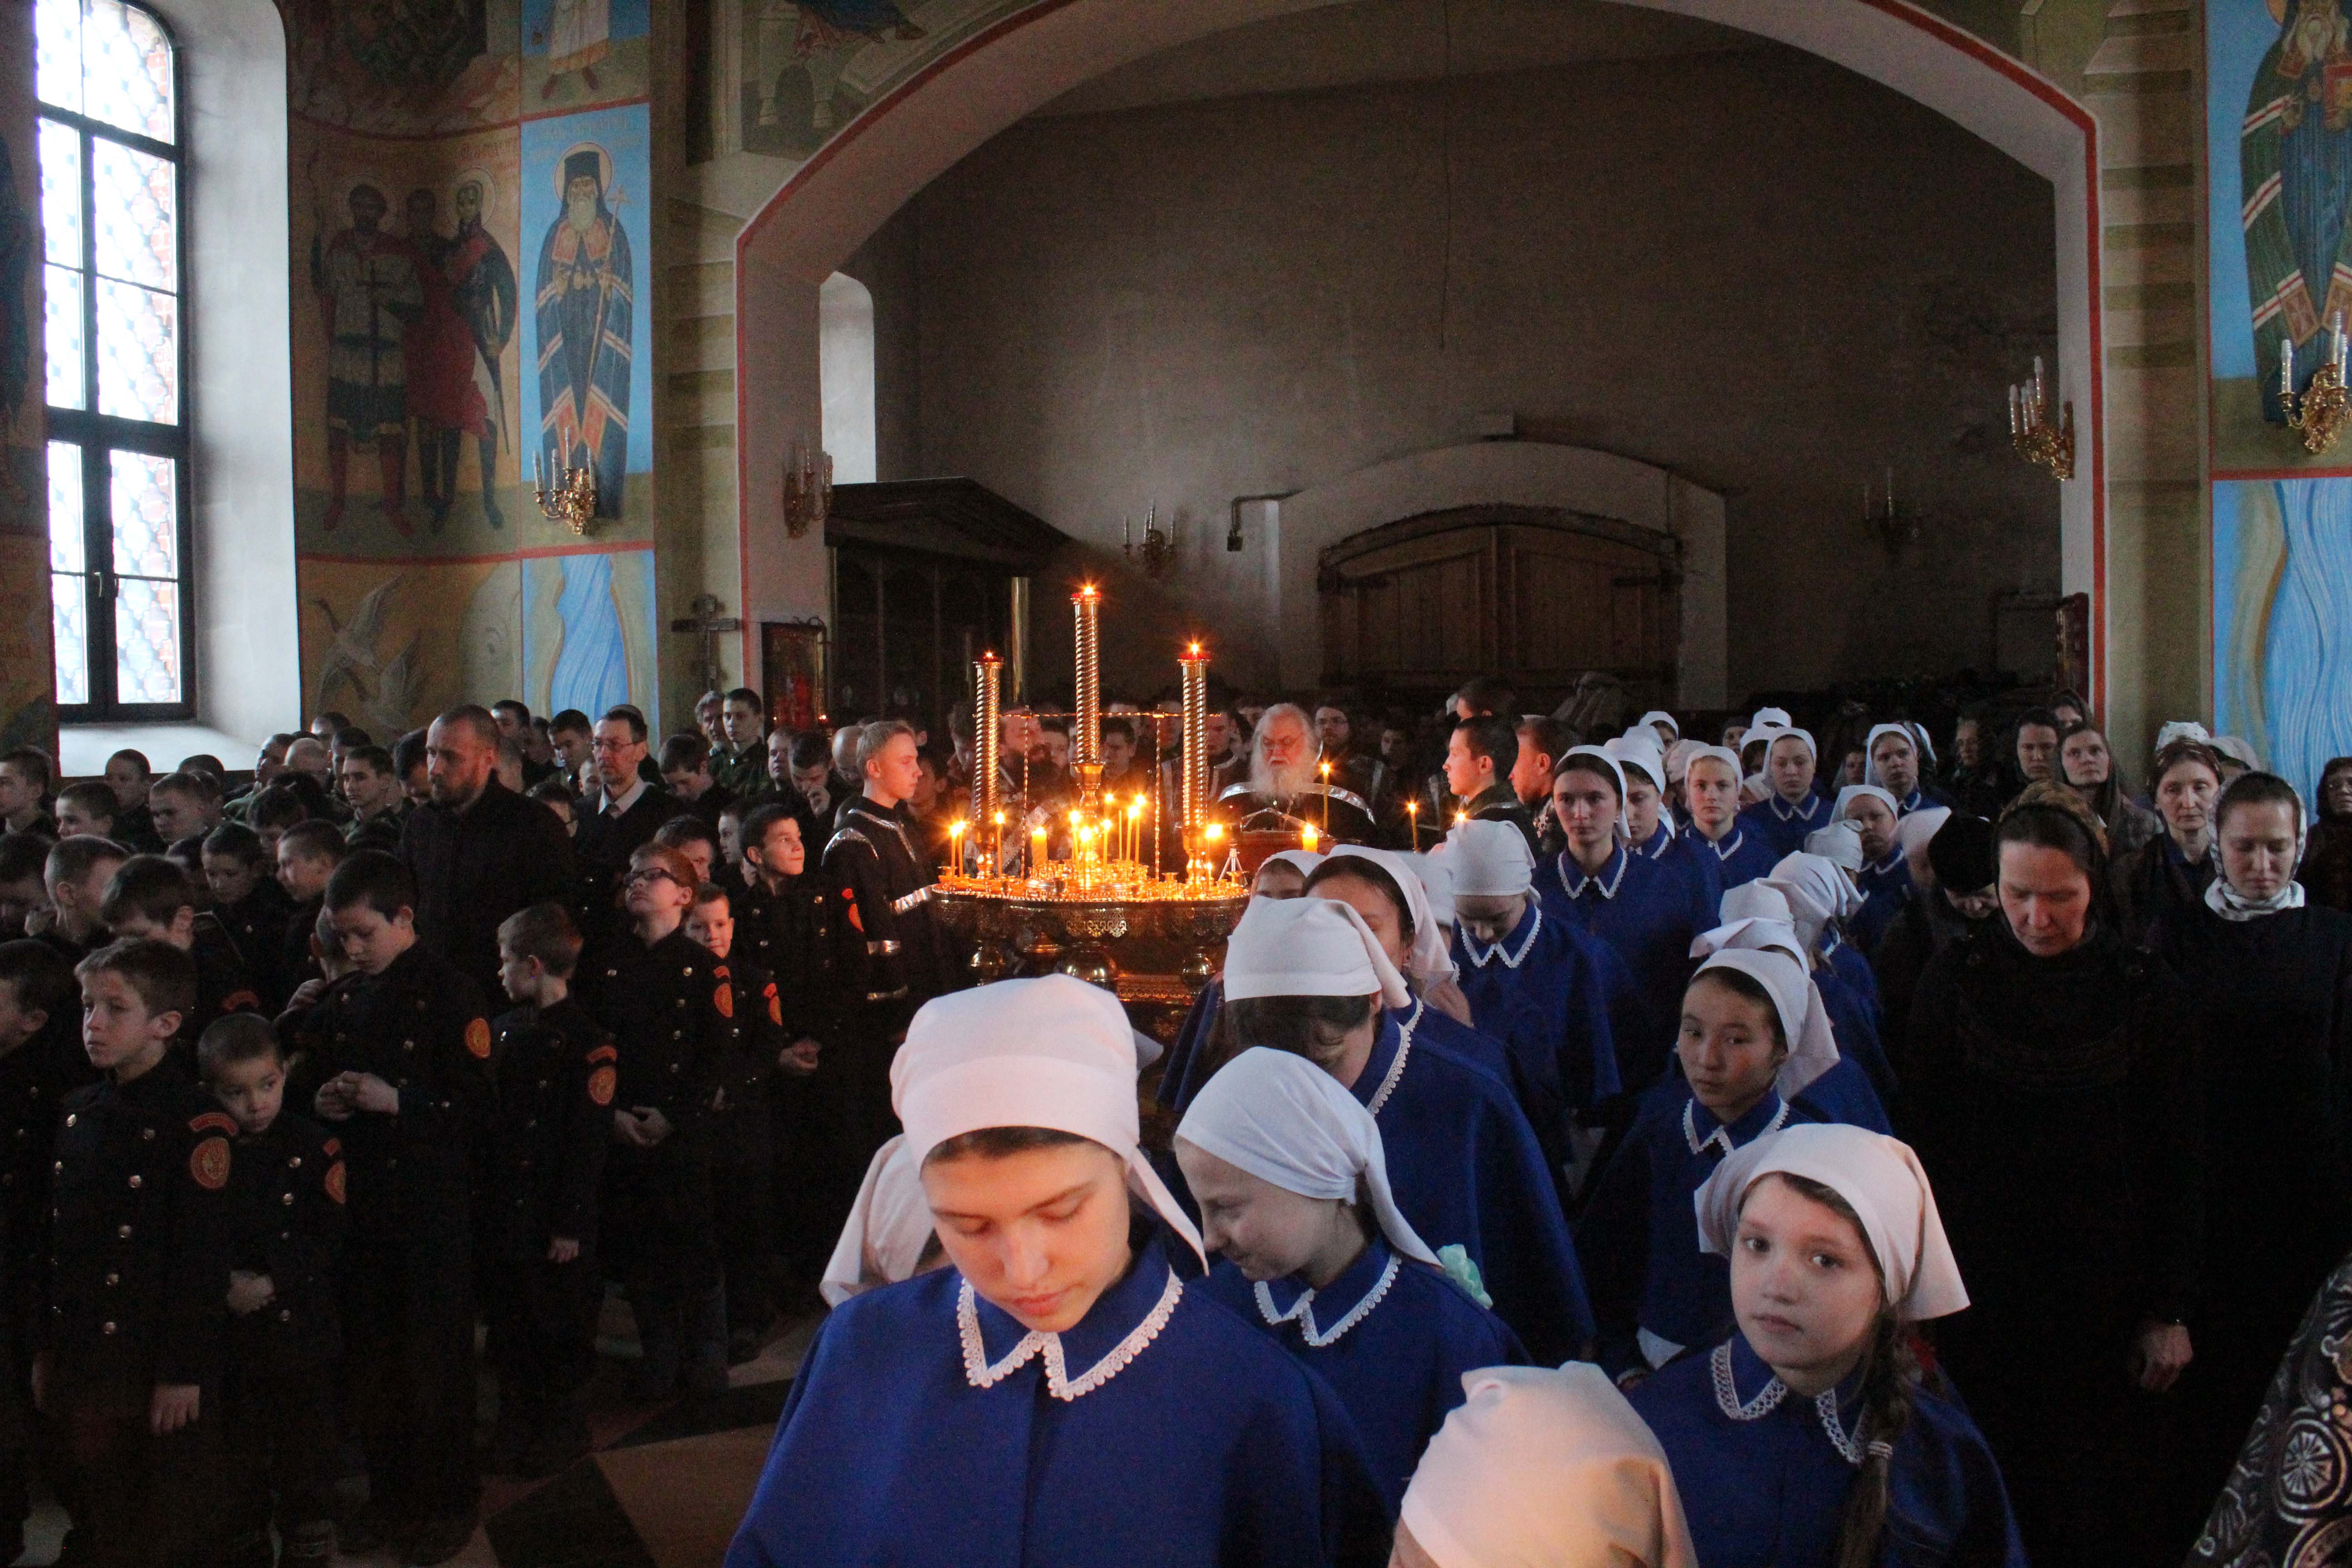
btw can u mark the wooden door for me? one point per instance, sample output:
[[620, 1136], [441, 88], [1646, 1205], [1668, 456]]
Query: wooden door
[[1539, 597]]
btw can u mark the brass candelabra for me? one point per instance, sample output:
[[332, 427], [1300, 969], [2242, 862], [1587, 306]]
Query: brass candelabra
[[572, 502], [808, 491], [2321, 413], [2031, 430], [1158, 551]]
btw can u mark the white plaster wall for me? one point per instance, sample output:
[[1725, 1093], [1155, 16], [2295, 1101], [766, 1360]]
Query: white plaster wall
[[240, 401], [1508, 473]]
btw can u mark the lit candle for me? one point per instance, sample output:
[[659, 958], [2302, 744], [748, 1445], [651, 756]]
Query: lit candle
[[2040, 397], [996, 851], [1412, 807], [1326, 798], [1192, 747], [1309, 838], [1036, 849], [539, 473], [955, 846], [2012, 436]]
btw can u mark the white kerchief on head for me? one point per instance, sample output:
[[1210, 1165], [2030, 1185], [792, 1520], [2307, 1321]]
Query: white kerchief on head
[[1615, 771], [1309, 947], [2225, 900], [1914, 831], [1770, 718], [1656, 715], [1756, 900], [1305, 860], [1852, 793], [1488, 859], [1432, 958], [2173, 730], [1437, 881], [1880, 1179], [1631, 750], [1819, 877], [1286, 1121], [1546, 1467], [1765, 955], [1870, 749], [1839, 842], [1678, 759], [2237, 750], [1056, 1053], [889, 1226], [1785, 732], [1724, 754]]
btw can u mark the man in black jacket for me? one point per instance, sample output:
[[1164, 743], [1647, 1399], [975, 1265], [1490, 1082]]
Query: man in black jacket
[[621, 820], [479, 851]]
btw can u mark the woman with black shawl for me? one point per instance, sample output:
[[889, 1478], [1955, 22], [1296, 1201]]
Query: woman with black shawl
[[2052, 1093], [2272, 976], [2326, 874], [2170, 872]]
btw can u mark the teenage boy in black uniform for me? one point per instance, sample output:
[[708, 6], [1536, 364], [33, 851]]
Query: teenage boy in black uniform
[[742, 1148], [400, 1057], [128, 1339], [666, 1001], [152, 897], [557, 1075], [307, 856], [251, 906], [286, 1234]]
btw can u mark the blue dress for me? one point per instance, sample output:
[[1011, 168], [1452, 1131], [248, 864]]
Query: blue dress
[[1648, 911], [1543, 991], [1764, 1472], [909, 1440], [1886, 887], [1740, 857], [1783, 826], [1467, 1171], [1666, 847], [1398, 1366], [1851, 967], [1855, 1023], [1185, 1068]]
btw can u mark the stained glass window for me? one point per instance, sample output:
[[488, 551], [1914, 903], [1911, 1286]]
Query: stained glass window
[[110, 238]]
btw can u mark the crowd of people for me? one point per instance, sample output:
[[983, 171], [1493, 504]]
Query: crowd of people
[[1608, 1144]]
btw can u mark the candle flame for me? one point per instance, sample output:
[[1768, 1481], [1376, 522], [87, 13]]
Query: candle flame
[[955, 829], [1307, 838]]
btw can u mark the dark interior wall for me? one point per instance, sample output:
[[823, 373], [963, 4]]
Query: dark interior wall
[[1751, 268]]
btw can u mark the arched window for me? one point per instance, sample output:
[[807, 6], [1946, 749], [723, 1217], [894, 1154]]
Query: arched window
[[111, 247], [845, 346]]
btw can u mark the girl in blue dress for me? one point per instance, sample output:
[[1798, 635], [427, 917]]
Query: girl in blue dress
[[1810, 1439], [1793, 807], [997, 1413], [1883, 879], [1710, 789], [1294, 1196]]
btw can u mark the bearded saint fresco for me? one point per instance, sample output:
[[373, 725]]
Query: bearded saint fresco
[[2295, 151], [585, 300]]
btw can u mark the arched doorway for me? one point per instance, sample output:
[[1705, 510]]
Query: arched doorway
[[1541, 595]]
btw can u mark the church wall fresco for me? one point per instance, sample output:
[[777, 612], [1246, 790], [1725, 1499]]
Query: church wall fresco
[[437, 274], [27, 668], [2279, 84]]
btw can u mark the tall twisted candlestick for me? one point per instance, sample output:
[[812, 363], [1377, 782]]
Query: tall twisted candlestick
[[1192, 758], [1085, 744], [987, 673]]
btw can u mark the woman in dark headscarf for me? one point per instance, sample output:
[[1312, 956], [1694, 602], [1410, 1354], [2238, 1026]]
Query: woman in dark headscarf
[[1954, 875], [2326, 874], [2087, 767], [2273, 977], [2050, 1090], [2171, 871]]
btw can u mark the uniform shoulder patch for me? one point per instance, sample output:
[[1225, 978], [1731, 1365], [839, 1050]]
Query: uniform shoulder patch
[[334, 1182], [722, 996], [477, 1039], [606, 1053], [208, 1164], [775, 1004], [601, 1084], [218, 1121], [332, 1148], [849, 896], [241, 1002]]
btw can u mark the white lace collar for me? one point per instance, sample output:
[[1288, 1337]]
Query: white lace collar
[[1510, 960], [1574, 881], [1395, 1074], [1850, 1446], [983, 1373], [1721, 1136], [1786, 813], [1725, 847], [1302, 1311]]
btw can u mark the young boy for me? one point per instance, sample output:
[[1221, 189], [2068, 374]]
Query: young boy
[[24, 792], [129, 1326], [742, 1148], [398, 1062], [251, 905], [285, 1236], [23, 895], [86, 808], [372, 789], [41, 1062], [185, 806], [556, 1069], [307, 857], [152, 898], [272, 811], [76, 875]]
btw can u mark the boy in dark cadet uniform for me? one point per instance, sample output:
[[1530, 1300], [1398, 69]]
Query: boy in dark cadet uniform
[[307, 857], [41, 1062], [152, 898], [743, 1151], [666, 1002], [129, 1326], [285, 1234], [397, 1062], [76, 875], [557, 1076], [251, 906]]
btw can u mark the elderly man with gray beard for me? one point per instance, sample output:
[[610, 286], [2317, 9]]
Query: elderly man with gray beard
[[1286, 789]]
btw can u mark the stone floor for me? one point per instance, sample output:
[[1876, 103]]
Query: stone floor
[[656, 1494]]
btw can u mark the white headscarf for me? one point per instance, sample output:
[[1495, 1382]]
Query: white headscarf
[[1056, 1053], [1615, 773], [1305, 860], [1488, 859], [1723, 755], [1784, 732], [1851, 792], [1840, 841], [1286, 1121], [1309, 947], [1870, 750], [1630, 751], [1430, 959], [1767, 953], [2237, 750], [1756, 900], [2234, 906], [1546, 1467], [1679, 756], [2173, 730], [1655, 714], [1879, 1178], [888, 1227], [1437, 881], [1817, 892], [1769, 719], [1914, 830]]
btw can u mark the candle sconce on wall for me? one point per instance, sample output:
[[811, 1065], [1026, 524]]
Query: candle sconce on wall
[[808, 491], [2031, 430], [2321, 412], [1158, 551]]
